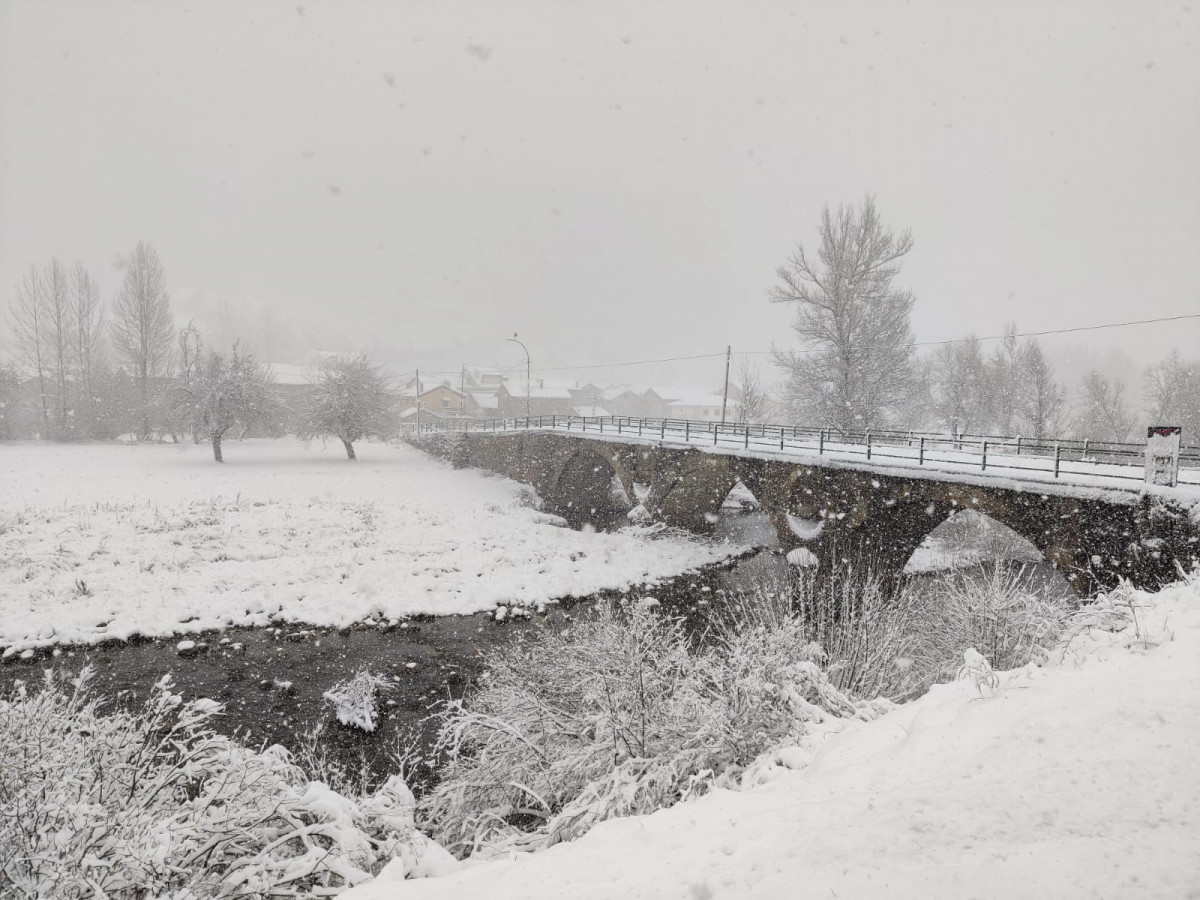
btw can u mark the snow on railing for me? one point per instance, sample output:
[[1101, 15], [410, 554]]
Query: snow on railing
[[1017, 456]]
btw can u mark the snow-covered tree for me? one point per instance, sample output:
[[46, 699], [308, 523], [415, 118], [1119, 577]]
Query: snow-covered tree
[[958, 386], [1173, 394], [1004, 379], [1102, 413], [753, 401], [87, 331], [56, 298], [29, 331], [142, 327], [1042, 406], [10, 401], [350, 401], [225, 391], [855, 365]]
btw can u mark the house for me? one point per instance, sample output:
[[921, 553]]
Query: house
[[292, 387], [434, 394], [682, 402], [536, 399], [483, 404]]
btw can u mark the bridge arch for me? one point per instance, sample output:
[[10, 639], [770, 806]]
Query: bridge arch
[[583, 491], [688, 489], [969, 538]]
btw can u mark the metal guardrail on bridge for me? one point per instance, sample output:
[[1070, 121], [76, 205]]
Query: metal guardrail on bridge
[[1017, 456]]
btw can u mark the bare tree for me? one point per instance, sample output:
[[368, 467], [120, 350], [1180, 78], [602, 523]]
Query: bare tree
[[29, 329], [191, 367], [225, 391], [958, 386], [1173, 393], [87, 328], [1042, 404], [1004, 381], [753, 400], [351, 401], [855, 366], [59, 341], [10, 401], [142, 327], [1103, 414]]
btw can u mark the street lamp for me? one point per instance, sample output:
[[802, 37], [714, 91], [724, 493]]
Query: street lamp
[[514, 340]]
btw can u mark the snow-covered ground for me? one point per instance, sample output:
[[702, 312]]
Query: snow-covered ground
[[109, 540], [1074, 778]]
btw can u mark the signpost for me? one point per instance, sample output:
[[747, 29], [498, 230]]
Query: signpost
[[1162, 454]]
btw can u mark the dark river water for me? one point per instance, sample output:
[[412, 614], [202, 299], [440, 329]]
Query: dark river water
[[271, 680]]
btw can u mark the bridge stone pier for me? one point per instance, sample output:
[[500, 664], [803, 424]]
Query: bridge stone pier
[[839, 512]]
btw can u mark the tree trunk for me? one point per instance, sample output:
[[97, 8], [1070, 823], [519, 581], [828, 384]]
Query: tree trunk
[[216, 445], [145, 435], [349, 449]]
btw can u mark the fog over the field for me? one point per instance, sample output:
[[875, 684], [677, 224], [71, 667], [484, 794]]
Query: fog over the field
[[614, 181]]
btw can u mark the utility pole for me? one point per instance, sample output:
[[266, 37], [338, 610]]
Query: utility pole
[[462, 392], [725, 396], [417, 388], [527, 381]]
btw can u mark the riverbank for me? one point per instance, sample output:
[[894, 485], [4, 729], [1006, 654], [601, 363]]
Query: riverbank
[[1072, 778], [105, 542]]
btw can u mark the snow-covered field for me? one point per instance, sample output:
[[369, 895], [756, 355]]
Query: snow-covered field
[[110, 540], [1073, 778]]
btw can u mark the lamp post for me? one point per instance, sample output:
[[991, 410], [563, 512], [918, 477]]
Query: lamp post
[[514, 340]]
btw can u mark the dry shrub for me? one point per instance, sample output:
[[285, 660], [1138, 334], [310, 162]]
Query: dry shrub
[[883, 642], [616, 716], [152, 802]]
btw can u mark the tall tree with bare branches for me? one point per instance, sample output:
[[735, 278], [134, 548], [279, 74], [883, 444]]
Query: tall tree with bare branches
[[59, 342], [753, 400], [142, 327], [958, 386], [1043, 401], [1102, 414], [29, 330], [1172, 388], [854, 368], [87, 329]]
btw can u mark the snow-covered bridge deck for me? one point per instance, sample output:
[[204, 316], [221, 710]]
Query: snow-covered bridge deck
[[1072, 463], [1085, 508]]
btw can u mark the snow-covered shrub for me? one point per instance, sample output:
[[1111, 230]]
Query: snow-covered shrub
[[999, 612], [615, 716], [864, 627], [896, 644], [152, 802], [356, 700]]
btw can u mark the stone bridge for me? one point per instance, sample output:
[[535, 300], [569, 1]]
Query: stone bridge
[[840, 511]]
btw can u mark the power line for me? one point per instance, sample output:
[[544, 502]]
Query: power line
[[1020, 334], [963, 340]]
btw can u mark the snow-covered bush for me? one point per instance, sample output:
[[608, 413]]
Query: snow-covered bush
[[152, 802], [356, 700], [999, 612], [615, 716], [896, 644]]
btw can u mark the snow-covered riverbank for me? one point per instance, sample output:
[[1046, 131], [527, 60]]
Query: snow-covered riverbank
[[1072, 778], [106, 540]]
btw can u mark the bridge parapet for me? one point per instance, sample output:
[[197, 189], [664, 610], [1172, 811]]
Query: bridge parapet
[[837, 510]]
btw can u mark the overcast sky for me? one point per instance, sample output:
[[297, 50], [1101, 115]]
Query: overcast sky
[[612, 180]]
